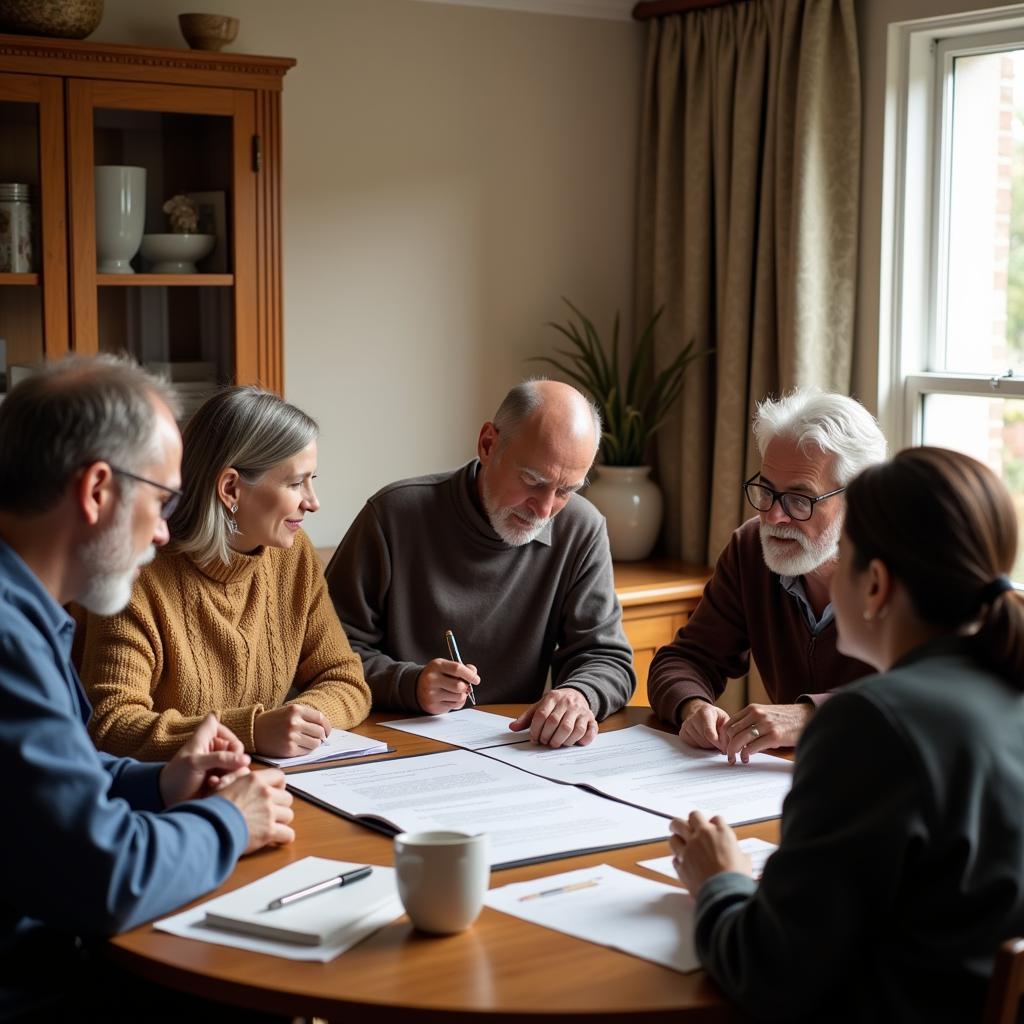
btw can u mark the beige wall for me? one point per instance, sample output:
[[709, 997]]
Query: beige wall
[[873, 20], [449, 172]]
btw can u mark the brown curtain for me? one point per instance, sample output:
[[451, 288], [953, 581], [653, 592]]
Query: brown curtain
[[747, 231]]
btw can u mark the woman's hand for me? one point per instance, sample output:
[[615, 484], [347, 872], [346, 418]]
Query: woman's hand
[[703, 848], [290, 731]]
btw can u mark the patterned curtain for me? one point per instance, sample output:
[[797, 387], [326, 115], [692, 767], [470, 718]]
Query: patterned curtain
[[747, 231]]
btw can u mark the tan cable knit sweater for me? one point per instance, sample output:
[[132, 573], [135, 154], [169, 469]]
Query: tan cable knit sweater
[[227, 638]]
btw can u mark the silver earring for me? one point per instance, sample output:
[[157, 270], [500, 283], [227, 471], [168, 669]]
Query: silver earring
[[232, 522]]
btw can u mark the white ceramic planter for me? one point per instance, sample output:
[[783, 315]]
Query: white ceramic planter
[[632, 505]]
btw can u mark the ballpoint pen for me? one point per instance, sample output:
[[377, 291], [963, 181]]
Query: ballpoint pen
[[453, 653], [346, 878]]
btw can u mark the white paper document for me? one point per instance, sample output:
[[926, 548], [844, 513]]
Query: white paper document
[[356, 915], [657, 771], [527, 818], [756, 849], [339, 744], [465, 728], [635, 915]]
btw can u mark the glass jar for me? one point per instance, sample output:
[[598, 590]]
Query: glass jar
[[17, 218]]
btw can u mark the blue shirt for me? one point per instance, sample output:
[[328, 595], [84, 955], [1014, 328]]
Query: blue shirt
[[89, 847]]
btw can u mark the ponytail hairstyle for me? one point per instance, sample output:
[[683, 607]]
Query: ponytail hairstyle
[[945, 527]]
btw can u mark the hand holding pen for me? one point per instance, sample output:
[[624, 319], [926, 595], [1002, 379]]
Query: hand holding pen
[[444, 685]]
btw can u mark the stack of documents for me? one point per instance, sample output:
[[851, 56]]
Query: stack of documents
[[527, 819], [610, 907], [317, 928], [339, 744], [657, 771]]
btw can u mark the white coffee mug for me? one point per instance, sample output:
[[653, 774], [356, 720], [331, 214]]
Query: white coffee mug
[[442, 878]]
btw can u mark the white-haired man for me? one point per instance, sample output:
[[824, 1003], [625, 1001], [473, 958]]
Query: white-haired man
[[769, 595], [502, 553]]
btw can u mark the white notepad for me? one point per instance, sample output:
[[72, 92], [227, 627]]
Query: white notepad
[[338, 744], [324, 919]]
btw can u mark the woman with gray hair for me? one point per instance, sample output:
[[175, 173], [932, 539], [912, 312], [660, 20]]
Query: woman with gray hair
[[234, 612]]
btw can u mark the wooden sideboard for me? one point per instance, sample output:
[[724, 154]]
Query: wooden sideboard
[[657, 598]]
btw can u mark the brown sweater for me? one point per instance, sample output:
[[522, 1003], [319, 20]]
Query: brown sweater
[[227, 638], [745, 611]]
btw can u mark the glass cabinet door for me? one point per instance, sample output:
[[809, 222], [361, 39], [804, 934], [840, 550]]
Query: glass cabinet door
[[174, 289], [33, 250]]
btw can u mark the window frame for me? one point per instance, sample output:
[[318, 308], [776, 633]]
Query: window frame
[[915, 228]]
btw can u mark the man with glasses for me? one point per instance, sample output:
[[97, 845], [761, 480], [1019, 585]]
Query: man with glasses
[[89, 468], [769, 595]]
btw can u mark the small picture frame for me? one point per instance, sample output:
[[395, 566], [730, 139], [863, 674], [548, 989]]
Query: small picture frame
[[213, 220]]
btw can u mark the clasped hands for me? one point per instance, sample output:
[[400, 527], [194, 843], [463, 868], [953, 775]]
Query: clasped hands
[[561, 718], [757, 727], [212, 761]]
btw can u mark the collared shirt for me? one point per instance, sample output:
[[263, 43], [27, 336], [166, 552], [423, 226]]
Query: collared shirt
[[93, 850], [794, 586]]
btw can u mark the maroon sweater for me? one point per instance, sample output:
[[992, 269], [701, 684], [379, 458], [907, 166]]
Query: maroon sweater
[[744, 612]]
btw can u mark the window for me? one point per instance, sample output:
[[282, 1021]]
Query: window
[[955, 281]]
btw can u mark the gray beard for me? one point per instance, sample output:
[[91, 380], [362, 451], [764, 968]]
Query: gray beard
[[109, 565]]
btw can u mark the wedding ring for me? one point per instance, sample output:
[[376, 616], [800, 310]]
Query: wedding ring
[[754, 731]]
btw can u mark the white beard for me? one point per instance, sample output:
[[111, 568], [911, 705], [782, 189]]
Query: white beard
[[502, 523], [110, 566], [812, 555]]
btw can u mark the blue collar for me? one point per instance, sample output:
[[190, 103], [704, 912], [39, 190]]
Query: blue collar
[[794, 586]]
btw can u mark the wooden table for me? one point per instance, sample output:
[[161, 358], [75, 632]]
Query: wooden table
[[501, 969]]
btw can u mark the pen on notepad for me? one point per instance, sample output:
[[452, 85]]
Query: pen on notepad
[[453, 653], [589, 884], [346, 878]]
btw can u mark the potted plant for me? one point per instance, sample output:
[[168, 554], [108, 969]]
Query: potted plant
[[633, 407]]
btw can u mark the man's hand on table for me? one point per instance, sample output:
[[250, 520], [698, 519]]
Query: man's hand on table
[[764, 727], [702, 848], [703, 725], [443, 685], [560, 718], [266, 806]]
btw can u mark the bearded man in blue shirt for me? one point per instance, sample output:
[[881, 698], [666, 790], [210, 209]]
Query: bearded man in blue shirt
[[89, 470]]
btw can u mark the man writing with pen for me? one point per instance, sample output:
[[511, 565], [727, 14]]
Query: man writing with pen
[[506, 555]]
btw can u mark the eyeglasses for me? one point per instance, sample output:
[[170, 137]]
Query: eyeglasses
[[796, 506], [169, 504]]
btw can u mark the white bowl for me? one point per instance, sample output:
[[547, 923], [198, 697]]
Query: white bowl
[[175, 254]]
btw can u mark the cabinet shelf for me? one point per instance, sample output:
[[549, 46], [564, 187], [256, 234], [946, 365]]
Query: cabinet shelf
[[165, 280], [192, 121]]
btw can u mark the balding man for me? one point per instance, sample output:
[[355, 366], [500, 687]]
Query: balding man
[[503, 554]]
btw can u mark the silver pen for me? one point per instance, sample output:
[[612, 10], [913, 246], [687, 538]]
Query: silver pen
[[346, 878], [453, 653]]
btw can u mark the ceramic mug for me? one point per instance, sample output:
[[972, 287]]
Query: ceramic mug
[[442, 878]]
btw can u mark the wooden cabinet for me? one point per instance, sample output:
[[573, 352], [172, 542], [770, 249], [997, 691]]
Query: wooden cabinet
[[657, 598], [202, 124]]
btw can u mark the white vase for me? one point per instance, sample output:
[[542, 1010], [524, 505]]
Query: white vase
[[632, 505], [120, 216]]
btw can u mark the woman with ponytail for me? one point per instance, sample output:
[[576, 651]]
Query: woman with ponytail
[[901, 862]]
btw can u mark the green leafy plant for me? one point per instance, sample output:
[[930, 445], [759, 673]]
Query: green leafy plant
[[631, 410]]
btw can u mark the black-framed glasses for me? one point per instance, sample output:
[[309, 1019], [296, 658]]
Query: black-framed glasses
[[796, 506], [169, 504]]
